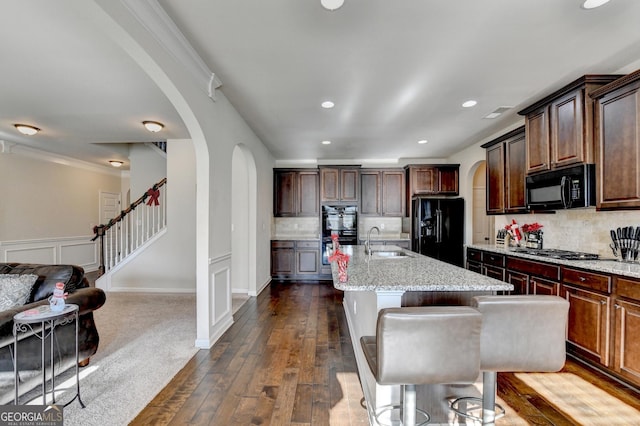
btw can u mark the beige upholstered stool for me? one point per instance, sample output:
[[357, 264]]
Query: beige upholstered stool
[[519, 334], [423, 345]]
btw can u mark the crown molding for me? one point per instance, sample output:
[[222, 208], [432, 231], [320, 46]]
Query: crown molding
[[25, 151], [156, 21]]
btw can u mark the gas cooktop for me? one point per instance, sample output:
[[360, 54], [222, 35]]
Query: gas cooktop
[[558, 254]]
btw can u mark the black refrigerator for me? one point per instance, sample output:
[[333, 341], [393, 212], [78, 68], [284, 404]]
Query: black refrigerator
[[438, 228]]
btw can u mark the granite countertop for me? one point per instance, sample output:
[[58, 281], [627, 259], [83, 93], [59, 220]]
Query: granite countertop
[[411, 273], [296, 237], [385, 237], [613, 267]]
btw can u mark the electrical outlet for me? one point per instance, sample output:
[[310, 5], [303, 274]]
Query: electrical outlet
[[382, 226]]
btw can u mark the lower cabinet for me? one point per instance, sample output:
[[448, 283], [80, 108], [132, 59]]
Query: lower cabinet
[[295, 259], [626, 350], [588, 328]]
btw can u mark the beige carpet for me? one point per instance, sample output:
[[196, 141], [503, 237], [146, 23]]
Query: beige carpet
[[584, 402], [145, 339]]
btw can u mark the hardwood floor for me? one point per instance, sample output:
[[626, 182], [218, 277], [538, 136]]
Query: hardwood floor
[[288, 360]]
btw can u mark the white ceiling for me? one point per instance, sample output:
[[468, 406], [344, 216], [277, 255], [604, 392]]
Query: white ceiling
[[398, 71]]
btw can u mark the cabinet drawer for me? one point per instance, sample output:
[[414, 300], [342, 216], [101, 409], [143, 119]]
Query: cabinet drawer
[[282, 244], [587, 279], [307, 244], [474, 255], [494, 272], [493, 259], [531, 267], [629, 288]]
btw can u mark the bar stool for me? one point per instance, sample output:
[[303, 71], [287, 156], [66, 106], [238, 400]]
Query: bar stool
[[519, 334], [423, 345]]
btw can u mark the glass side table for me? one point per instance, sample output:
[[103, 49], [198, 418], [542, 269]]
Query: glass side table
[[48, 320]]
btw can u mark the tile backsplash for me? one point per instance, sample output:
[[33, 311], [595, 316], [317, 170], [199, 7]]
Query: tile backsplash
[[583, 230]]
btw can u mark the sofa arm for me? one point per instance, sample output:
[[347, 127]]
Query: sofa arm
[[88, 299]]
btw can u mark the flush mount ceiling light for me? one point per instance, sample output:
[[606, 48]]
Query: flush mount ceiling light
[[153, 126], [327, 105], [332, 4], [423, 141], [25, 129], [116, 163], [592, 4], [470, 103], [326, 142]]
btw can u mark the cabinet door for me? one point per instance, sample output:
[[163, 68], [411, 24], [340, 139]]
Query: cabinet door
[[349, 181], [329, 184], [495, 179], [370, 203], [618, 150], [546, 287], [519, 281], [588, 329], [567, 134], [424, 180], [537, 134], [474, 266], [307, 258], [308, 200], [393, 193], [626, 359], [284, 193], [494, 272], [515, 173], [282, 258], [448, 180]]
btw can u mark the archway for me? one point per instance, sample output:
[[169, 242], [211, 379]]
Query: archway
[[482, 224], [243, 226]]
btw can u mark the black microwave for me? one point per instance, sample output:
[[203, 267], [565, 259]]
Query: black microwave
[[567, 188]]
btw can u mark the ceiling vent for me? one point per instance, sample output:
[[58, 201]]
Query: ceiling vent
[[498, 112]]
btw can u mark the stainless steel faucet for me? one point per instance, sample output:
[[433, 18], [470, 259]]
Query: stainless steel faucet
[[367, 244]]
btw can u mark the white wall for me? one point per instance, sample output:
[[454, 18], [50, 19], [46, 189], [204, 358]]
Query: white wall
[[168, 265], [49, 207], [148, 165]]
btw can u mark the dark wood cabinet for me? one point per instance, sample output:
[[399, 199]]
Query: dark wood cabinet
[[532, 277], [506, 172], [626, 349], [339, 184], [618, 144], [519, 281], [559, 128], [292, 259], [382, 192], [441, 179], [295, 192]]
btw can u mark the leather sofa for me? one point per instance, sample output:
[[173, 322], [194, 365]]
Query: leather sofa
[[86, 297]]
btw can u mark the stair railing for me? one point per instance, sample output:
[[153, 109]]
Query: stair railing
[[133, 227]]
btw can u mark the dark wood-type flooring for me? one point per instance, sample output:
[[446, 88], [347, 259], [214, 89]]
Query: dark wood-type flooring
[[288, 360]]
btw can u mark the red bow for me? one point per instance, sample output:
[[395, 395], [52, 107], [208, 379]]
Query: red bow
[[154, 194]]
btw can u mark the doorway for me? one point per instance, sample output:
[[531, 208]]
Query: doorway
[[483, 225]]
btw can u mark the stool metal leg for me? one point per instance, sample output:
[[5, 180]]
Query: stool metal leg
[[489, 383], [409, 405]]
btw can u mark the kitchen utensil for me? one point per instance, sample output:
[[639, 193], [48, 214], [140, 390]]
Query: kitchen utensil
[[614, 238]]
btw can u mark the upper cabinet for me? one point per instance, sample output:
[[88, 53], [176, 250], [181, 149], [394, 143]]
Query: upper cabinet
[[339, 184], [427, 179], [506, 170], [618, 143], [560, 129], [382, 192], [295, 192]]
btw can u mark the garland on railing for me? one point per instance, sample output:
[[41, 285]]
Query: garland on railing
[[153, 192]]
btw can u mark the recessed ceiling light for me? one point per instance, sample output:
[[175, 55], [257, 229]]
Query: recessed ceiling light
[[422, 141], [470, 103], [332, 4], [327, 104], [592, 4], [25, 129], [153, 126], [326, 142], [115, 163]]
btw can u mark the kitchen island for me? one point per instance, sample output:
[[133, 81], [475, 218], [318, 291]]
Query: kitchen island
[[393, 277]]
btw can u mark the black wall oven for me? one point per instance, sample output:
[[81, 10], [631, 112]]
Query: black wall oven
[[341, 221]]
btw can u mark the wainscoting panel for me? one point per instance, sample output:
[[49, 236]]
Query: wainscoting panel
[[68, 250], [220, 311]]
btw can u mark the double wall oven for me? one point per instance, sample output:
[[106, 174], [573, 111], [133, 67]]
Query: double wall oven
[[340, 220]]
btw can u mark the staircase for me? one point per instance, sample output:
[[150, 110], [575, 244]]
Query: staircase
[[127, 233]]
